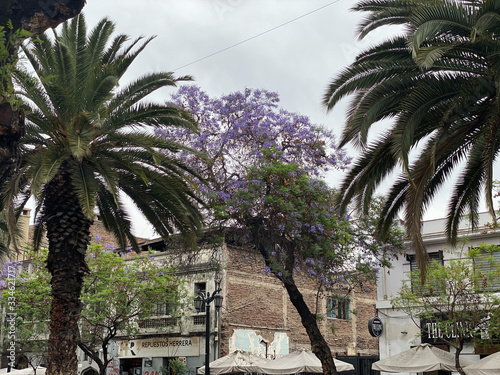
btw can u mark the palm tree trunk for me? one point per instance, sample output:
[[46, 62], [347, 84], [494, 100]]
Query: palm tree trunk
[[68, 235]]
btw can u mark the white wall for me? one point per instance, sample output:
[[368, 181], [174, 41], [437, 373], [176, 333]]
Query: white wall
[[400, 332]]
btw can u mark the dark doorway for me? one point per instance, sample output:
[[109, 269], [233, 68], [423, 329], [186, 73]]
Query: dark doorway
[[362, 364]]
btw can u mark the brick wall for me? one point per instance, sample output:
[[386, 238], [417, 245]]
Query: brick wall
[[259, 302]]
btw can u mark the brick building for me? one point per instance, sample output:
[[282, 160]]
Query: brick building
[[258, 306], [256, 315]]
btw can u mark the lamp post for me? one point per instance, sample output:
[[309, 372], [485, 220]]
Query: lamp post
[[199, 300]]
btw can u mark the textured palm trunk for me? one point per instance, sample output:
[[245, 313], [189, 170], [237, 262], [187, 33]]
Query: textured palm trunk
[[68, 235]]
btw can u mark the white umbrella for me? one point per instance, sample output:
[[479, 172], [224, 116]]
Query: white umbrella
[[489, 365], [422, 358], [237, 361], [302, 360]]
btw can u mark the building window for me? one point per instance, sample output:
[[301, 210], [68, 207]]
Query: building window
[[428, 289], [163, 309], [338, 308], [486, 264]]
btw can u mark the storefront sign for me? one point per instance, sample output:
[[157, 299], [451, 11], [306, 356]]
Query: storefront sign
[[375, 326], [160, 347], [439, 332]]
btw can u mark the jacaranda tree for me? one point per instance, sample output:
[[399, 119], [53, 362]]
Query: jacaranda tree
[[89, 144], [262, 177], [437, 81]]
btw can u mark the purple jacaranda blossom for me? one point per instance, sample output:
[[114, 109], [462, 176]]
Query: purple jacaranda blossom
[[98, 238], [240, 136]]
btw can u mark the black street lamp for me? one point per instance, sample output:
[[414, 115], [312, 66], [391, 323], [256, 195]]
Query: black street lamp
[[204, 299]]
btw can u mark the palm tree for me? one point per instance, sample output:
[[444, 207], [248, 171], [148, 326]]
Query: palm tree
[[438, 83], [89, 143]]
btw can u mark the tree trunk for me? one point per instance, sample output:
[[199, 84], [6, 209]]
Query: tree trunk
[[68, 235], [101, 363], [37, 16], [458, 350], [319, 346]]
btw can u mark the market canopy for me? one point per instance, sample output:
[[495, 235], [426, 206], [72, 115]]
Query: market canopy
[[422, 358], [489, 365], [302, 360], [237, 361]]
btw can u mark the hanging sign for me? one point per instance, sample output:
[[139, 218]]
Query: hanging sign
[[375, 326]]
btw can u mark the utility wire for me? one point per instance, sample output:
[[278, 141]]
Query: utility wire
[[256, 36]]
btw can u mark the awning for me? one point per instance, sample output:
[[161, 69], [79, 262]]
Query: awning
[[237, 361], [489, 365], [422, 358], [302, 360]]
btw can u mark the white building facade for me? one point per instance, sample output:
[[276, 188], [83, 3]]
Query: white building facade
[[400, 333]]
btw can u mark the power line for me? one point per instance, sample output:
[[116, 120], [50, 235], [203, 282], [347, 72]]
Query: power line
[[256, 36]]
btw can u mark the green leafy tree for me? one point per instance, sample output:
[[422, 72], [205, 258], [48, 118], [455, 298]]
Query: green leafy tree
[[89, 144], [175, 367], [292, 222], [26, 301], [117, 294], [436, 81], [458, 301]]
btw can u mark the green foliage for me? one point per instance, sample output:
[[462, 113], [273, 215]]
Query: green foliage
[[9, 40], [117, 293], [86, 127], [434, 86], [31, 298], [175, 367], [459, 298], [118, 290], [300, 218]]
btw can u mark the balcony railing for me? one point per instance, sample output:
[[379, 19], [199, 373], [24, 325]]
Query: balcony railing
[[199, 320], [167, 322]]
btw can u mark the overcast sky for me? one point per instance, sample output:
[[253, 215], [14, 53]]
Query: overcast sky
[[293, 47]]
